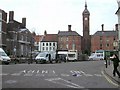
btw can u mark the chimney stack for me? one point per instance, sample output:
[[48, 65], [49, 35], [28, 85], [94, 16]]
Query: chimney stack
[[11, 16], [45, 32], [23, 22], [116, 27], [102, 27], [69, 28]]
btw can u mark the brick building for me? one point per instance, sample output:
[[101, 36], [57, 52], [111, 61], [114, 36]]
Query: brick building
[[19, 38], [3, 29], [105, 40], [69, 40], [38, 39]]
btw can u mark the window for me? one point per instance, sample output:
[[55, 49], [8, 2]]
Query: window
[[107, 39], [100, 46], [61, 46], [114, 48], [100, 37], [107, 45], [67, 46], [46, 48], [43, 48], [46, 44], [73, 46], [43, 44], [67, 39], [50, 44], [53, 44], [53, 48], [50, 49]]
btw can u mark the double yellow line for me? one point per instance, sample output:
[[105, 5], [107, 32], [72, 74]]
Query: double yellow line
[[110, 81]]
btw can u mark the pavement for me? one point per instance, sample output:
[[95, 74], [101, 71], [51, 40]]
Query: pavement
[[108, 71]]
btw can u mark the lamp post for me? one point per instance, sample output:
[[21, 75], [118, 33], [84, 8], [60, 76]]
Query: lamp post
[[118, 14]]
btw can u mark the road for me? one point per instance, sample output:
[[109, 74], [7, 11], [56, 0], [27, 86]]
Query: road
[[85, 74]]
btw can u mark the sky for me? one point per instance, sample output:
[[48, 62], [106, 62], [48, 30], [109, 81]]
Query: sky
[[55, 15]]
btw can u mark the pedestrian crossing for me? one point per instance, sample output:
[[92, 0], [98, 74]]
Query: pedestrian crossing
[[42, 73]]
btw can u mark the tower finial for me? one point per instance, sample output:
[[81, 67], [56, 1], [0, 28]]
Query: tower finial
[[85, 3]]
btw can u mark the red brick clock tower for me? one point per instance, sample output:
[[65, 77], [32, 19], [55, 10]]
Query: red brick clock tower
[[86, 29]]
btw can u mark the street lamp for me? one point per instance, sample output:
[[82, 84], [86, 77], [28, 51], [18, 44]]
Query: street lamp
[[118, 14]]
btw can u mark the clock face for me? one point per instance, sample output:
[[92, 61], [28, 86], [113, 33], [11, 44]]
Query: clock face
[[86, 18]]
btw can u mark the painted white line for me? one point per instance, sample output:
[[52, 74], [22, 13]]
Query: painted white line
[[110, 81], [10, 81], [16, 74], [99, 75], [28, 74], [31, 71], [3, 74], [39, 75], [65, 75], [88, 75], [64, 82], [44, 71]]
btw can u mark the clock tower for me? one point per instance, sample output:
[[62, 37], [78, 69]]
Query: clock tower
[[86, 30]]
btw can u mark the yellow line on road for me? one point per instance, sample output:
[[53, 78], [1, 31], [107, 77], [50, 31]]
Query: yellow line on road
[[110, 81]]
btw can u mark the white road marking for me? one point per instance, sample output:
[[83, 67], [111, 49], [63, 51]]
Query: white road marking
[[99, 75], [50, 73], [16, 74], [64, 82], [31, 71], [88, 75], [10, 81], [44, 71], [28, 74], [40, 75], [65, 75], [3, 74]]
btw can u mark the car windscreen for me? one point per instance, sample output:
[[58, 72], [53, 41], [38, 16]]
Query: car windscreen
[[3, 54], [42, 54], [71, 55]]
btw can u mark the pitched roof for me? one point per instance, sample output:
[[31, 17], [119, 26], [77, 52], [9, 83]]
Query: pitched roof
[[38, 38], [68, 33], [106, 33], [50, 38]]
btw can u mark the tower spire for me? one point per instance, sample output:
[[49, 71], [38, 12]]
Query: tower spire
[[85, 4]]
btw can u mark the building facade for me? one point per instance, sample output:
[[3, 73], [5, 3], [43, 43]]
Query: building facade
[[69, 40], [37, 43], [19, 40], [49, 42], [105, 40], [3, 29]]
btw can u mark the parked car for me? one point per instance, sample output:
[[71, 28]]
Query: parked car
[[45, 57], [96, 56], [4, 58]]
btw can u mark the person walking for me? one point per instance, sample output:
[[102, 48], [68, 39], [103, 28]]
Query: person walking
[[116, 61]]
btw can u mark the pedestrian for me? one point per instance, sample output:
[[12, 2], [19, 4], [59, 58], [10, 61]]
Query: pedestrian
[[116, 61], [49, 57]]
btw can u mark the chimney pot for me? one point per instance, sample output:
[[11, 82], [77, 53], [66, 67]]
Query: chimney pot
[[11, 15], [102, 27], [69, 28], [23, 22], [45, 32]]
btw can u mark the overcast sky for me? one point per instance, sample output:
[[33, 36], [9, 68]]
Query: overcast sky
[[54, 15]]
